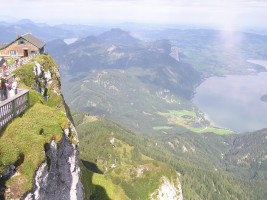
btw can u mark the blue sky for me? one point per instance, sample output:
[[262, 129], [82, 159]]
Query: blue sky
[[225, 14]]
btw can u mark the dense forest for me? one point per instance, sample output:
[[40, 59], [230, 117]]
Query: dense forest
[[202, 176]]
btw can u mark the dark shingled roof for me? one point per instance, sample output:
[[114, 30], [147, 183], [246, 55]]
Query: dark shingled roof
[[35, 41], [2, 45]]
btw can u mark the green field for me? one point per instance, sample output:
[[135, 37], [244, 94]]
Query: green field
[[192, 120]]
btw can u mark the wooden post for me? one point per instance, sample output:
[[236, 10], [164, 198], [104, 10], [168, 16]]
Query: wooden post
[[28, 99], [14, 108]]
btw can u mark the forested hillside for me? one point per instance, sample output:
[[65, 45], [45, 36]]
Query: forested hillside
[[109, 150]]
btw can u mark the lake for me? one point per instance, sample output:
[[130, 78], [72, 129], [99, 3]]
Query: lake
[[234, 102], [70, 40]]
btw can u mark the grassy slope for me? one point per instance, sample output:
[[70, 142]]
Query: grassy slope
[[27, 79], [127, 170], [98, 186], [22, 141]]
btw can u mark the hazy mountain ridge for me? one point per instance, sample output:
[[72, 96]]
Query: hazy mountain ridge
[[54, 44], [46, 32], [215, 52], [118, 36], [105, 51], [140, 105]]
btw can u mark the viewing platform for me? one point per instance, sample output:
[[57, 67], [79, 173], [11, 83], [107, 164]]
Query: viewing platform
[[14, 106], [20, 61]]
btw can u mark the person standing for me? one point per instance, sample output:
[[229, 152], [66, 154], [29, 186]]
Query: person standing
[[3, 88], [4, 67], [14, 86], [17, 63]]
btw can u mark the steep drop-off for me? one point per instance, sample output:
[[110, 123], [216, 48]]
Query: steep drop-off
[[39, 149]]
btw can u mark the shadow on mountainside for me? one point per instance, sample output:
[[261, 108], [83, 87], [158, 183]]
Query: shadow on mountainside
[[92, 192], [9, 172], [92, 167]]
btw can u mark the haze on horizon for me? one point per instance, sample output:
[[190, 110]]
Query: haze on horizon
[[228, 14]]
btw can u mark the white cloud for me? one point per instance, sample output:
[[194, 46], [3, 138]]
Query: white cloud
[[221, 13]]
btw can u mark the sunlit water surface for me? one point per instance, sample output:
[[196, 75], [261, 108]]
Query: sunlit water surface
[[234, 102]]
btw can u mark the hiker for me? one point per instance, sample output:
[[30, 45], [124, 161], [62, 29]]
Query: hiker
[[3, 94], [4, 67], [8, 87], [13, 88], [17, 63]]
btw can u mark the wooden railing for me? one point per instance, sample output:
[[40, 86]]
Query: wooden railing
[[12, 107]]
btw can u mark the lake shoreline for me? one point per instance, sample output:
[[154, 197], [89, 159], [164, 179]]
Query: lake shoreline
[[236, 102]]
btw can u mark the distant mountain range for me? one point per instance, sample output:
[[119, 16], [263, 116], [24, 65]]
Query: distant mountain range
[[199, 47], [117, 49], [45, 31]]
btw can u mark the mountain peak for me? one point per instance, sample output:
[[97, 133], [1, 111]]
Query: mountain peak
[[24, 21], [118, 36], [115, 31]]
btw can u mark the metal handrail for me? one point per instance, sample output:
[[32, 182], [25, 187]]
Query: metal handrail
[[14, 106]]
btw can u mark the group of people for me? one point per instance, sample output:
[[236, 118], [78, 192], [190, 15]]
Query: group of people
[[8, 88]]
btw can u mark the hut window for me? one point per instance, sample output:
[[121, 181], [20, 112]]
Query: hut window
[[21, 42], [12, 52]]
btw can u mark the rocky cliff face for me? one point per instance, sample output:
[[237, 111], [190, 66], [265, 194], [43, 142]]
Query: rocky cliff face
[[59, 176], [168, 190], [45, 142]]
